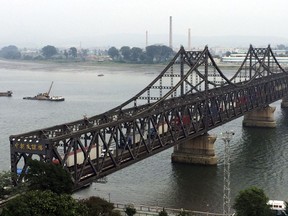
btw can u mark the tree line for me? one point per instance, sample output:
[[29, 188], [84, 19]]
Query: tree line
[[151, 54], [47, 191], [47, 52]]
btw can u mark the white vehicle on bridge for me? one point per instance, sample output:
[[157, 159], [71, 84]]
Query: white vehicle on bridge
[[80, 155]]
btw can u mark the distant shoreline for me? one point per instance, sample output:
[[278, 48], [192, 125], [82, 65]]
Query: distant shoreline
[[92, 65]]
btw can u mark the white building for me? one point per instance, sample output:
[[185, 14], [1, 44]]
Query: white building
[[239, 58]]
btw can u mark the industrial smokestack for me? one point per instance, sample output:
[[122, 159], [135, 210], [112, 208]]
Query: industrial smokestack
[[146, 38], [189, 39], [170, 34]]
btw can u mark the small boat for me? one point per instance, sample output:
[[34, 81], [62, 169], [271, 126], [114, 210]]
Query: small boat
[[46, 96], [100, 75], [7, 94]]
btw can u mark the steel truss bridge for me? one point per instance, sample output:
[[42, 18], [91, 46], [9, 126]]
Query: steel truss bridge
[[187, 99]]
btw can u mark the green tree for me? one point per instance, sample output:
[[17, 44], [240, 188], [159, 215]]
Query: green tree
[[113, 53], [7, 188], [44, 203], [166, 53], [83, 53], [5, 184], [48, 51], [48, 176], [66, 54], [228, 53], [99, 206], [10, 52], [152, 53], [143, 57], [136, 53], [163, 213], [125, 52], [130, 210], [73, 52], [252, 202]]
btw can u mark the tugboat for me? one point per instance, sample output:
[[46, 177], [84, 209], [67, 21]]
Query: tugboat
[[7, 94], [46, 96]]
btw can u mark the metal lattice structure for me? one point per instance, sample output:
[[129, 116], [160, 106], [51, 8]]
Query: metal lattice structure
[[226, 137], [188, 98]]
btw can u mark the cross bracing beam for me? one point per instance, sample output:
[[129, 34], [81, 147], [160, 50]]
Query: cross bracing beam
[[93, 147]]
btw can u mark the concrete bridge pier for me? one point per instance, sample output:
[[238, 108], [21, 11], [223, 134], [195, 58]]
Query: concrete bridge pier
[[262, 117], [199, 150], [284, 103]]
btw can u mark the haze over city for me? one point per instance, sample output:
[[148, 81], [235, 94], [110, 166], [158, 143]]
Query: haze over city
[[34, 23]]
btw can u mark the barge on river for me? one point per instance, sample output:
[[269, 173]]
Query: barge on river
[[46, 96], [6, 94]]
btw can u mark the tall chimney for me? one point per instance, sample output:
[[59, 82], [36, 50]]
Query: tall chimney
[[146, 38], [189, 39], [170, 34]]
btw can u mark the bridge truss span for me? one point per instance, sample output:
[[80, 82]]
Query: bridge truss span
[[188, 98]]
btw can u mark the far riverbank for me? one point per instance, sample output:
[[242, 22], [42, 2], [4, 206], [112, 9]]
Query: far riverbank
[[50, 65]]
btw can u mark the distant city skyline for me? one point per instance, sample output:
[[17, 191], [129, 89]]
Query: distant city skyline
[[34, 23]]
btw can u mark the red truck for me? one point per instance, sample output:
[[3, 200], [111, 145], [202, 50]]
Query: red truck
[[176, 123]]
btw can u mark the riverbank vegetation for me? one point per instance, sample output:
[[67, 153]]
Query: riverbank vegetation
[[153, 54], [48, 191], [50, 57], [252, 201]]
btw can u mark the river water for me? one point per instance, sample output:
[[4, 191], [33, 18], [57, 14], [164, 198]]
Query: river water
[[258, 156]]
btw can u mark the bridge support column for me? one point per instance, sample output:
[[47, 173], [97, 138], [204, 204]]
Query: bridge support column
[[284, 103], [262, 117], [199, 150]]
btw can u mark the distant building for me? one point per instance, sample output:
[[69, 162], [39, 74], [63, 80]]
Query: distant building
[[221, 51], [30, 52], [234, 58], [239, 57]]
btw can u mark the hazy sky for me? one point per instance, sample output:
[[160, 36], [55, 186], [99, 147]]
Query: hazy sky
[[42, 22]]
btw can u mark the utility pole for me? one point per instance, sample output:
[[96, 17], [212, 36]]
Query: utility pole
[[226, 137]]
